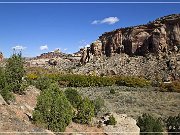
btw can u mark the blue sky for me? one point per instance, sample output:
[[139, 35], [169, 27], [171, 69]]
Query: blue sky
[[69, 26]]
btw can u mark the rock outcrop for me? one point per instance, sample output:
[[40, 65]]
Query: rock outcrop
[[125, 125], [14, 118], [151, 50], [161, 35]]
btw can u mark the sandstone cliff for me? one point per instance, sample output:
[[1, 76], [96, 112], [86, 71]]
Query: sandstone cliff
[[155, 48], [161, 35]]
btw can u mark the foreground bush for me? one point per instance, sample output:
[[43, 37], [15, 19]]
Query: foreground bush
[[7, 94], [85, 112], [53, 111], [173, 125], [11, 78], [42, 82], [148, 123], [14, 72], [73, 96]]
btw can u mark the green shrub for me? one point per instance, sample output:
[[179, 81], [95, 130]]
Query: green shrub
[[98, 105], [14, 72], [85, 112], [2, 79], [111, 121], [43, 82], [7, 94], [53, 111], [112, 91], [73, 96], [173, 125], [148, 123], [23, 86]]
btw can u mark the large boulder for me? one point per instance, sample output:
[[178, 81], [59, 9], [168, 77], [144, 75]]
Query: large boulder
[[125, 125]]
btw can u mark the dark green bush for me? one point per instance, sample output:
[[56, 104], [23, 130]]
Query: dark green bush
[[111, 121], [173, 125], [7, 94], [148, 123], [43, 82], [53, 111], [85, 112], [73, 96], [98, 105], [14, 72], [112, 91], [11, 77], [2, 79]]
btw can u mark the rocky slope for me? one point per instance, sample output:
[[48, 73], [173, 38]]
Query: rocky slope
[[15, 118]]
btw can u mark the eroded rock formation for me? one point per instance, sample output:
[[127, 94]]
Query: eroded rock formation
[[156, 46], [161, 35]]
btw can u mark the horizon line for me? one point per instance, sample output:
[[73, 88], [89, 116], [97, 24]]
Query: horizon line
[[89, 2]]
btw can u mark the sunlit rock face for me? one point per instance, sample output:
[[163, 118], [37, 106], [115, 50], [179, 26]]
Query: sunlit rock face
[[158, 36]]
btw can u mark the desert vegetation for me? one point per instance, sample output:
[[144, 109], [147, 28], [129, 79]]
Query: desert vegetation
[[69, 97], [12, 77]]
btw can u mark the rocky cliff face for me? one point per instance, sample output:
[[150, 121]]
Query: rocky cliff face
[[161, 35], [155, 48]]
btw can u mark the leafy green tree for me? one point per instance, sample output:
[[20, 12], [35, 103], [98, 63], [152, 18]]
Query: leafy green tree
[[53, 111], [73, 96], [85, 112], [14, 72], [173, 125], [147, 123]]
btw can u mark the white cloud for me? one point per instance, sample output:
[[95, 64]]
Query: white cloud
[[43, 47], [18, 47], [65, 49], [95, 22], [108, 20]]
